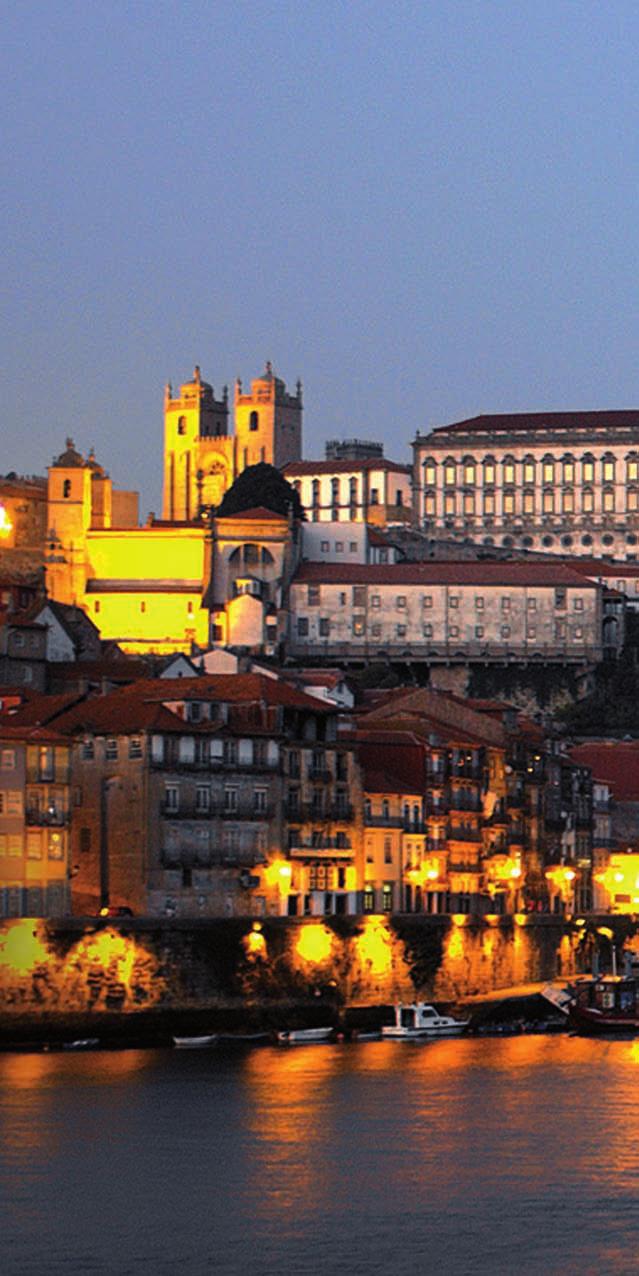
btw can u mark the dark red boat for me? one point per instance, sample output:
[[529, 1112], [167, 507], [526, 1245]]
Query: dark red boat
[[609, 1003]]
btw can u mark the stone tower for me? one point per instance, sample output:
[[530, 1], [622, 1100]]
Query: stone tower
[[268, 422], [199, 461], [69, 518]]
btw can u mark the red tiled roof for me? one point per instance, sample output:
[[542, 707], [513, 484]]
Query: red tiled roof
[[295, 468], [600, 567], [245, 688], [392, 764], [504, 422], [39, 710], [488, 572], [616, 762], [257, 512]]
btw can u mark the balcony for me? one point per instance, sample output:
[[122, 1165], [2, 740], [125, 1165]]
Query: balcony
[[320, 775], [190, 811], [383, 821], [327, 851], [461, 833], [47, 818], [463, 866]]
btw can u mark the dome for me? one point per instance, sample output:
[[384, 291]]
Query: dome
[[69, 459]]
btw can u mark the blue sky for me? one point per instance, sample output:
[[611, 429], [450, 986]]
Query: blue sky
[[424, 210]]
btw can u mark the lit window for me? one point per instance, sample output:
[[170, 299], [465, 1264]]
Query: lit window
[[578, 634], [449, 505], [588, 500], [549, 471], [358, 627], [429, 506], [489, 503], [489, 473], [509, 471], [449, 474], [509, 502], [469, 472], [313, 596], [608, 470], [633, 471], [608, 500], [549, 501], [588, 471], [430, 476], [529, 470], [569, 472], [631, 499], [111, 750], [529, 502], [568, 501], [469, 503]]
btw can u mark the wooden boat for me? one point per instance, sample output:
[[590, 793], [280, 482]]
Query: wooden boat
[[196, 1043], [304, 1036], [609, 1003], [419, 1021]]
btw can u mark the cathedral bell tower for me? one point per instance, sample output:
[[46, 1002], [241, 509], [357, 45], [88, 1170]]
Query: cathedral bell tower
[[268, 422], [197, 449]]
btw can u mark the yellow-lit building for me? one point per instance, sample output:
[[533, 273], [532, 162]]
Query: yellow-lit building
[[152, 588]]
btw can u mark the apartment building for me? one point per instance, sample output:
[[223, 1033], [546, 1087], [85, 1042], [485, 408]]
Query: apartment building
[[355, 483], [35, 813]]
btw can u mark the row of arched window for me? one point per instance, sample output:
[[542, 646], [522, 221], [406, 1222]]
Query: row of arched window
[[549, 469], [567, 501]]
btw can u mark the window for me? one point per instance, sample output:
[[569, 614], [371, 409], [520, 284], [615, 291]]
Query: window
[[302, 626], [449, 474], [388, 850], [400, 601], [479, 604], [259, 801], [505, 631], [509, 502], [430, 473], [374, 496], [569, 471], [111, 750], [588, 500], [339, 547], [631, 500], [376, 631], [400, 631], [489, 503], [369, 899], [529, 470], [560, 597], [181, 425], [479, 631], [454, 631], [342, 600], [8, 759], [352, 546], [135, 747], [313, 595], [532, 632], [316, 493], [568, 501], [325, 547], [429, 506], [560, 630], [55, 849], [608, 500], [359, 595], [358, 627], [469, 472], [254, 421], [202, 799], [505, 604], [427, 600], [529, 502], [548, 470], [608, 470], [230, 800], [449, 505], [588, 470], [88, 750], [509, 470], [453, 601], [489, 473], [376, 600], [578, 634], [549, 501], [427, 631], [469, 503], [324, 627], [387, 897], [45, 763], [578, 604], [171, 797]]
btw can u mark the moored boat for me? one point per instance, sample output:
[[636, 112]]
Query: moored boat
[[609, 1003], [419, 1021], [196, 1043], [304, 1036]]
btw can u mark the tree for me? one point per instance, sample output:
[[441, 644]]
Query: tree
[[257, 485]]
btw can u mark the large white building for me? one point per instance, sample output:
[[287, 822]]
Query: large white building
[[446, 611], [561, 482]]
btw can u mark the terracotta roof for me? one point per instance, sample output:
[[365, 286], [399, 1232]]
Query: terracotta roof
[[600, 567], [300, 468], [394, 765], [39, 710], [505, 422], [464, 572], [614, 761], [249, 688], [257, 512]]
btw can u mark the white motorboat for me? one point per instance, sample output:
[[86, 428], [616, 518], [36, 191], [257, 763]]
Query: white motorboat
[[196, 1043], [419, 1021], [304, 1036]]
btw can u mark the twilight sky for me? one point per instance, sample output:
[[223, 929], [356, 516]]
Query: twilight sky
[[425, 210]]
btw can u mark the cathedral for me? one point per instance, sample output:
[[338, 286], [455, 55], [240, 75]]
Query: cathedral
[[168, 585]]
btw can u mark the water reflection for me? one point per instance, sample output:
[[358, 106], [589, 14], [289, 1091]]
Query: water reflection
[[464, 1156]]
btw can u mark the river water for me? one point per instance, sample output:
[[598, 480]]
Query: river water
[[504, 1155]]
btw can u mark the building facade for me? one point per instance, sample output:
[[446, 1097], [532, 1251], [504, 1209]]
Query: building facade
[[560, 482]]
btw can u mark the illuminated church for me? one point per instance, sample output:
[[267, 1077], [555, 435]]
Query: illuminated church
[[189, 576]]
